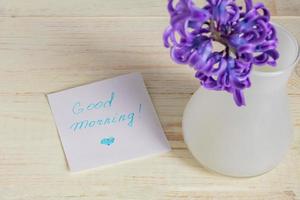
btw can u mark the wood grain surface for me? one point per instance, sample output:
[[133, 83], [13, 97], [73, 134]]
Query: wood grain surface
[[47, 46], [117, 8]]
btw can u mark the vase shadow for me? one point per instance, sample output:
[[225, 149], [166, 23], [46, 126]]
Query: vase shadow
[[190, 161]]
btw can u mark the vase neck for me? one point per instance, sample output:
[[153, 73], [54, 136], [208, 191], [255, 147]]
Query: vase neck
[[265, 82], [267, 78]]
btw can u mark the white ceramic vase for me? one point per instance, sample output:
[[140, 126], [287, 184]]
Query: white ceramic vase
[[250, 140]]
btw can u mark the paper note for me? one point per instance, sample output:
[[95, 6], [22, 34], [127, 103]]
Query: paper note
[[106, 122]]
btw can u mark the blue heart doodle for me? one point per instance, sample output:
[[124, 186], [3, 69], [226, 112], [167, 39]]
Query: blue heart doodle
[[107, 141]]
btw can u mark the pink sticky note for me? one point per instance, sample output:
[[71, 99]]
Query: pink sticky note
[[106, 122]]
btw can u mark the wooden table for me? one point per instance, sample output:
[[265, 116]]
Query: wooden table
[[48, 45]]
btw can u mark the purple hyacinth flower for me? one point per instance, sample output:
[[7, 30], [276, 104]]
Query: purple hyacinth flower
[[247, 35]]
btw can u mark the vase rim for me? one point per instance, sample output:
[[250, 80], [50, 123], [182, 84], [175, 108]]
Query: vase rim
[[290, 65]]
